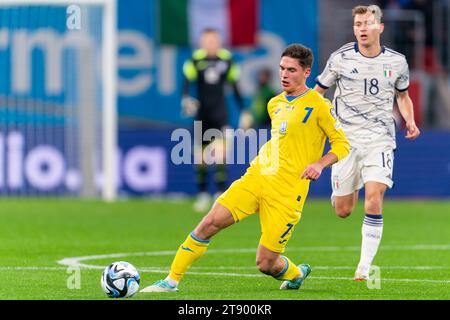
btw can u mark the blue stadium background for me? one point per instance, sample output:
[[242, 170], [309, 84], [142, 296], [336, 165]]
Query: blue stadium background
[[421, 169], [149, 103]]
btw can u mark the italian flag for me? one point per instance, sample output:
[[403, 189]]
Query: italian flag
[[387, 71], [182, 21]]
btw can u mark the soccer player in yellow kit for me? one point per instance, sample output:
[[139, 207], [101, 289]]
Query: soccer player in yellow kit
[[276, 183]]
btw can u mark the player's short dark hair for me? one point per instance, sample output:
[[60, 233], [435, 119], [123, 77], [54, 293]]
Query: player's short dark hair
[[304, 55], [210, 30]]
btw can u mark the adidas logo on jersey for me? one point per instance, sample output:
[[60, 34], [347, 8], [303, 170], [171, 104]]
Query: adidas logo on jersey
[[354, 71]]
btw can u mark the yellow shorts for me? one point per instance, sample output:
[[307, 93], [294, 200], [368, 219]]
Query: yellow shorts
[[278, 216]]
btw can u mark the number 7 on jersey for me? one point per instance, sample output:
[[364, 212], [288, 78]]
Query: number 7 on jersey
[[308, 113]]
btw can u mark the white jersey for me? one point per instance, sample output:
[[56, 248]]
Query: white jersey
[[365, 91]]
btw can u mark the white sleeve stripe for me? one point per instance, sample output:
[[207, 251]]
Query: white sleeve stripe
[[350, 45], [395, 52]]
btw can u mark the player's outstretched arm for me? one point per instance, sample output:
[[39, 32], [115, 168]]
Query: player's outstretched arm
[[314, 170], [189, 105], [406, 109]]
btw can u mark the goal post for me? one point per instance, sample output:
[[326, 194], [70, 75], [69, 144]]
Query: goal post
[[78, 92]]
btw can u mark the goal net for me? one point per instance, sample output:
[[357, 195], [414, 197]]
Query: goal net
[[58, 131]]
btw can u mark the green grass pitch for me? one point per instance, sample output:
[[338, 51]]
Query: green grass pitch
[[413, 260]]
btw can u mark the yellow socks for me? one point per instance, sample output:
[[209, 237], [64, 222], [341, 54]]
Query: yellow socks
[[190, 250], [193, 248], [289, 272]]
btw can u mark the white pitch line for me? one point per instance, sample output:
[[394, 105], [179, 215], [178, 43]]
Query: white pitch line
[[68, 261], [31, 268], [311, 277], [157, 269], [329, 267], [77, 261], [227, 274], [386, 279]]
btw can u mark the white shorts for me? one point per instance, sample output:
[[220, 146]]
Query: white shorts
[[363, 164]]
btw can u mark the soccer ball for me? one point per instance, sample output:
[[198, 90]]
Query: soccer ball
[[120, 280]]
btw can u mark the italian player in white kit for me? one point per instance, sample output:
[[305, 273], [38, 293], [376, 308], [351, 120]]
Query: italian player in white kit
[[367, 76]]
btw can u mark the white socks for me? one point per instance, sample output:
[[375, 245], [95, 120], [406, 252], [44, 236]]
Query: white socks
[[172, 282], [372, 230]]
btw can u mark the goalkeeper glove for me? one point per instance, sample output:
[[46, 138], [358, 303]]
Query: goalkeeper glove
[[245, 120], [189, 106]]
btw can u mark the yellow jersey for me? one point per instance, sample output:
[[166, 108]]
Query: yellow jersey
[[299, 129]]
